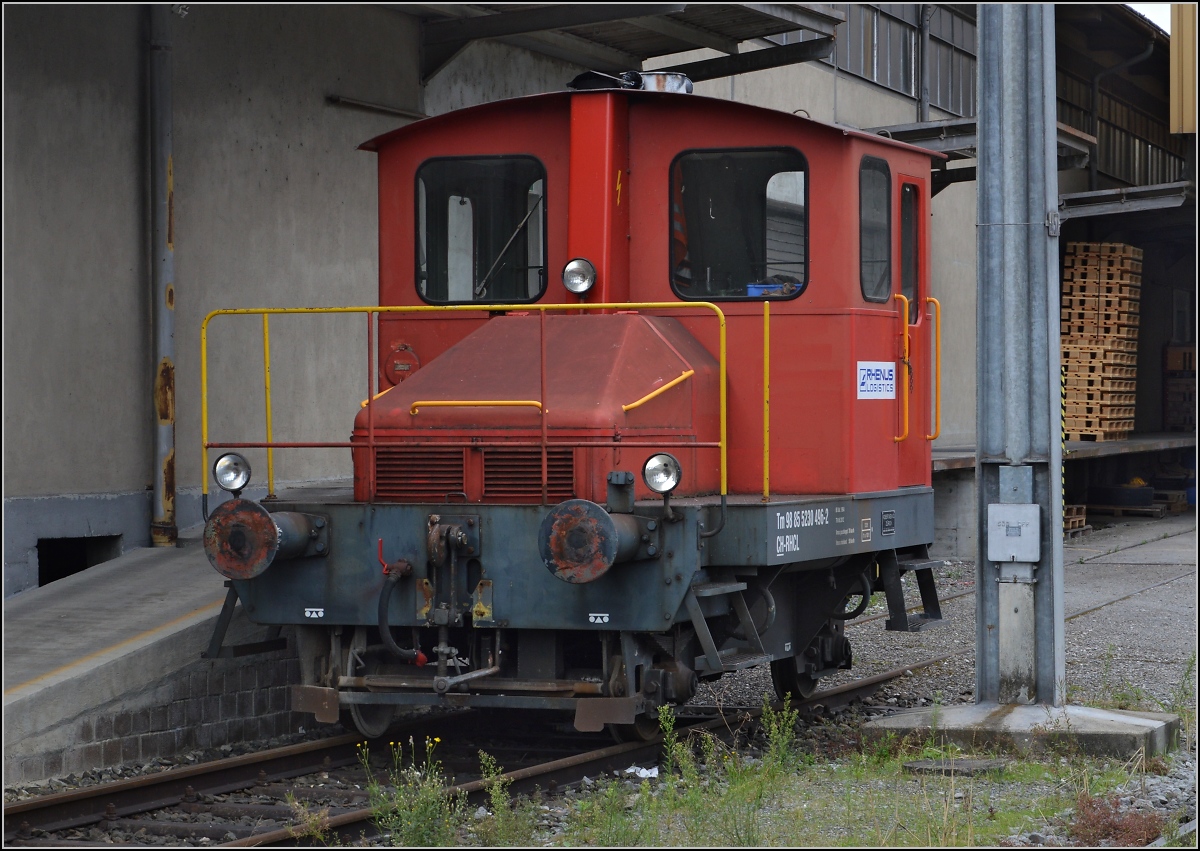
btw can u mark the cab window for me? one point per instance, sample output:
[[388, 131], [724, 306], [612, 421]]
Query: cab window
[[908, 248], [875, 229], [481, 225], [739, 225]]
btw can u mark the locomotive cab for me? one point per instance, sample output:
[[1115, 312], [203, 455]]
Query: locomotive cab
[[655, 403]]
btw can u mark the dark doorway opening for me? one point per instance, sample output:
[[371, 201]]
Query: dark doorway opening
[[59, 558]]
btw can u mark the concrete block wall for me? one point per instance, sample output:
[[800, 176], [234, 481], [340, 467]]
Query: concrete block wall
[[205, 705]]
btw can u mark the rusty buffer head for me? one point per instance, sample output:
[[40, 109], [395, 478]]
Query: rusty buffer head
[[578, 541], [240, 539]]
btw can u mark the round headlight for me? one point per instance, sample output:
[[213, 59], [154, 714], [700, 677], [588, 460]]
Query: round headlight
[[232, 472], [579, 276], [662, 473]]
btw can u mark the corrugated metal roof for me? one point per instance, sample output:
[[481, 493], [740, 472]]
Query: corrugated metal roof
[[736, 21], [612, 37]]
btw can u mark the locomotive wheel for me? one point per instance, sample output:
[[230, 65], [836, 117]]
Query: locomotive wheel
[[372, 720], [643, 729], [789, 681]]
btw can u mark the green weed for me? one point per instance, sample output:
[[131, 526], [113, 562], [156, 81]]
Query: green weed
[[413, 806]]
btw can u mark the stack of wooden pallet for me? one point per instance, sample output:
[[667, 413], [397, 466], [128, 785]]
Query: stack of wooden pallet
[[1075, 521], [1101, 291]]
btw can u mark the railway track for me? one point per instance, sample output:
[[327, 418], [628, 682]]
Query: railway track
[[243, 801]]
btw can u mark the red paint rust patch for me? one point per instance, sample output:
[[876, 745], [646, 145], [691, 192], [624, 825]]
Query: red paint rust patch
[[240, 539]]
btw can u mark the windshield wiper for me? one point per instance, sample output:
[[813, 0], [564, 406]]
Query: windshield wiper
[[483, 283]]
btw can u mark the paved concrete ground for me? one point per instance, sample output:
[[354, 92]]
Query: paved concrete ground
[[1146, 642]]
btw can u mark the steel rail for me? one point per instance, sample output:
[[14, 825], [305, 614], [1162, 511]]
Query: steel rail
[[79, 807]]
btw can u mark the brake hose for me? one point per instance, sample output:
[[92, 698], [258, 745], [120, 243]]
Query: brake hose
[[385, 597]]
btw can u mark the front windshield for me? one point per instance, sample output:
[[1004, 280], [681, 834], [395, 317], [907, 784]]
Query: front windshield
[[481, 225]]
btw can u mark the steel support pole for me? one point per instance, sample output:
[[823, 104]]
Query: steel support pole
[[1019, 644], [163, 530]]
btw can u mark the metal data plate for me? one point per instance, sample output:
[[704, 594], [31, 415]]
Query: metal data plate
[[1014, 533]]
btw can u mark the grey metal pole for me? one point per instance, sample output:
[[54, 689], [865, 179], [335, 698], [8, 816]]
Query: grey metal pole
[[1020, 656], [163, 531]]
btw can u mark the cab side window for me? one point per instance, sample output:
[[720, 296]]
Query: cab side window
[[908, 248], [875, 229], [481, 225], [739, 226]]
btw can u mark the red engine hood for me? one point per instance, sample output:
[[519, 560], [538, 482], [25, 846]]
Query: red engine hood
[[595, 366]]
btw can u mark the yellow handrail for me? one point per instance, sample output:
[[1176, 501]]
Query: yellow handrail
[[937, 368], [267, 399], [484, 403], [766, 401], [475, 308], [658, 391], [904, 361], [366, 402]]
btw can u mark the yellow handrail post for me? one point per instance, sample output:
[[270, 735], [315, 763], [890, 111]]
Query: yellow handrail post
[[937, 368], [908, 367], [204, 417], [766, 401], [267, 395]]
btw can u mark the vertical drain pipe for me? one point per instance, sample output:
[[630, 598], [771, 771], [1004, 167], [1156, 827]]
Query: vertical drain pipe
[[925, 11], [163, 530]]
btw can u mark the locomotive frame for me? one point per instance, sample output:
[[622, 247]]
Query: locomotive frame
[[497, 527]]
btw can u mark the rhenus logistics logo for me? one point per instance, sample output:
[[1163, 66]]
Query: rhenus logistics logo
[[876, 380]]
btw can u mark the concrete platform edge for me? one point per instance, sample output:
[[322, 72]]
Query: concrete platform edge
[[1034, 729]]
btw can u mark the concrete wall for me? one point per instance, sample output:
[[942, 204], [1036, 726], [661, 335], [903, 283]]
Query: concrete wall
[[76, 306], [273, 206], [489, 71]]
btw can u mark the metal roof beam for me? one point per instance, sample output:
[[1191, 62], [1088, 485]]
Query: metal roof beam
[[810, 16], [577, 51], [540, 20], [755, 60], [1130, 199], [687, 33]]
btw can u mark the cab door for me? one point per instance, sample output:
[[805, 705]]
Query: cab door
[[915, 454]]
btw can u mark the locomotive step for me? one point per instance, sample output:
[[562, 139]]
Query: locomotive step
[[919, 622], [733, 660], [715, 589], [919, 564]]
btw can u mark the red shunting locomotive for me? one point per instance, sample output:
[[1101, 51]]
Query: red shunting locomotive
[[656, 403]]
